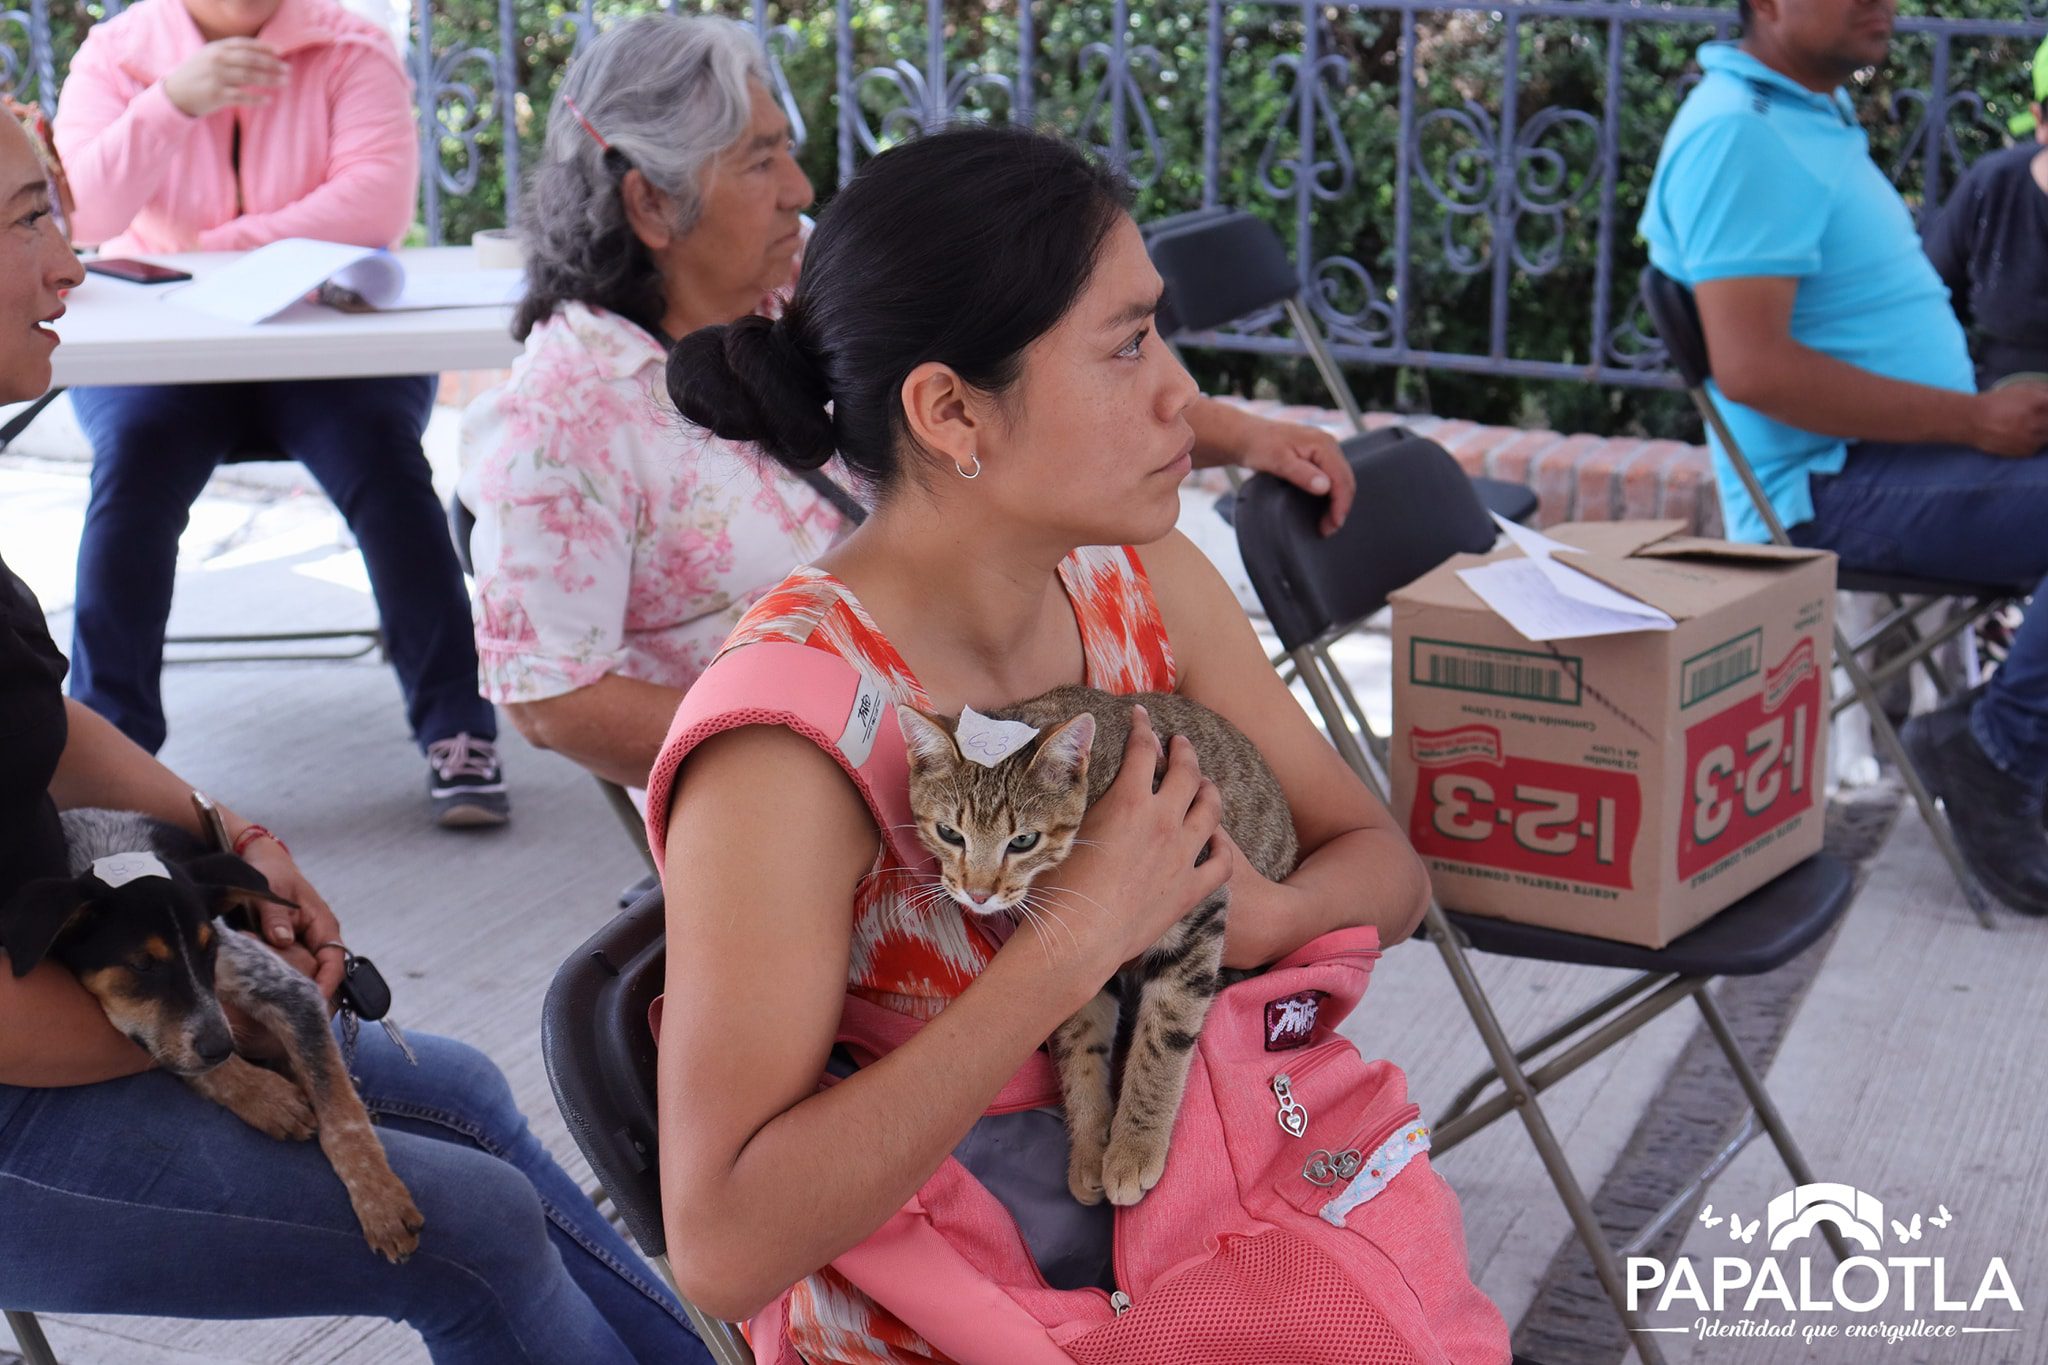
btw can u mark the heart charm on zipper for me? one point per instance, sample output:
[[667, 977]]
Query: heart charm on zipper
[[1292, 1117], [1326, 1168]]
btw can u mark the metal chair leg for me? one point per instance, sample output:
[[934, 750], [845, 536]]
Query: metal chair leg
[[28, 1334], [1536, 1047], [1937, 821], [1766, 1109], [723, 1340], [21, 421], [629, 816], [1605, 1263]]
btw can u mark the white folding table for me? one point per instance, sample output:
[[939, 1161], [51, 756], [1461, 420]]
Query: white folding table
[[115, 332], [119, 333]]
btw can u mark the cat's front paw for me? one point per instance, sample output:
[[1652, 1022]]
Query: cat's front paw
[[1084, 1172], [1132, 1166]]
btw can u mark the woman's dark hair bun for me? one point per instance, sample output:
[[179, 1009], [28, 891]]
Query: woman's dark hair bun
[[752, 381]]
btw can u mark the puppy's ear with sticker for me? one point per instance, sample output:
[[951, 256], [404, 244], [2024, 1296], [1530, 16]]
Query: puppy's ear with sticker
[[928, 739], [230, 884], [36, 916]]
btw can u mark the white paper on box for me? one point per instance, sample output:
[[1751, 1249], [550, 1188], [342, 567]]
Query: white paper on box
[[1545, 599]]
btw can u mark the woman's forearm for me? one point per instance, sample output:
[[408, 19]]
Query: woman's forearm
[[818, 1178], [52, 1033], [614, 727], [103, 767], [1366, 876]]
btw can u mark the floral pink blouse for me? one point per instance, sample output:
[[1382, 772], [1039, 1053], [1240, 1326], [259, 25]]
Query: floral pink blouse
[[612, 536]]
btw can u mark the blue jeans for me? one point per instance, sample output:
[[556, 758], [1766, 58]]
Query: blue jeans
[[138, 1197], [153, 449], [1940, 511]]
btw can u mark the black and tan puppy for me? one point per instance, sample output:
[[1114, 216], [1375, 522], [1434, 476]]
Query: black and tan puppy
[[139, 923]]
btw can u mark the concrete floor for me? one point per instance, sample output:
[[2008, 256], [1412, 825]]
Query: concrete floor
[[1913, 1069]]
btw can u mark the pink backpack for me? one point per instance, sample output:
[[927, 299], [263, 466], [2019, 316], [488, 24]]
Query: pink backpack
[[1298, 1219]]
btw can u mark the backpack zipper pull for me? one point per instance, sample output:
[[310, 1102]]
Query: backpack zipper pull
[[1292, 1117], [1120, 1302]]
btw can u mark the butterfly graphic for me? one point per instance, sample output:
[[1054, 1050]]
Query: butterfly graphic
[[1707, 1217], [1941, 1220], [1907, 1234], [1737, 1232]]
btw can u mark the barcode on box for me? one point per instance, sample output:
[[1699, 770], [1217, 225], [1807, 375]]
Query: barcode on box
[[1517, 673], [1719, 668]]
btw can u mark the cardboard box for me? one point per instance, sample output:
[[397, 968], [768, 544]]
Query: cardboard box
[[1624, 786]]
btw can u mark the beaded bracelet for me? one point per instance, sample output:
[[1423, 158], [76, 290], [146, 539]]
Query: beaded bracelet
[[251, 833]]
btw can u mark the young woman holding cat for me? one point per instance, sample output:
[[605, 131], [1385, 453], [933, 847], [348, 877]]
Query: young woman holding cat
[[975, 310]]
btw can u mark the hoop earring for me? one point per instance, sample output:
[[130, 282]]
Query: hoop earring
[[977, 468]]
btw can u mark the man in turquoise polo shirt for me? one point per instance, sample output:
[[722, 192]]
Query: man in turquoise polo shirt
[[1847, 380]]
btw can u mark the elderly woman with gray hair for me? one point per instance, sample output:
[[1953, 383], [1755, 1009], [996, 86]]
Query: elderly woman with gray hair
[[616, 544]]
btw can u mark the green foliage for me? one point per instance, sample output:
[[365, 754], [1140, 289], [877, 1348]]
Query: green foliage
[[1460, 63]]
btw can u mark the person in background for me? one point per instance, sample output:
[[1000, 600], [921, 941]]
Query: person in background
[[1989, 244], [1847, 380], [126, 1192], [616, 544], [221, 125]]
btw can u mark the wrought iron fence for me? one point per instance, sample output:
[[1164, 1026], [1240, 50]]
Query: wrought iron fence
[[1458, 183]]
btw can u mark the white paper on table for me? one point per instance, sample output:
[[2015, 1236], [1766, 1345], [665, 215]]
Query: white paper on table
[[271, 279], [454, 289]]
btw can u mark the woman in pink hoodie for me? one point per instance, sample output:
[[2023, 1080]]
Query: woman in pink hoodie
[[221, 125]]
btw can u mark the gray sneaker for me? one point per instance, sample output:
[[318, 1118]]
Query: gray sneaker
[[465, 783]]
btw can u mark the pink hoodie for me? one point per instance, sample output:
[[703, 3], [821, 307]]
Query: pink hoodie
[[335, 155]]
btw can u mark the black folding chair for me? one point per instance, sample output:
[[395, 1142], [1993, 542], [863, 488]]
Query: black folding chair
[[1415, 510], [1898, 636], [600, 1056], [1225, 265]]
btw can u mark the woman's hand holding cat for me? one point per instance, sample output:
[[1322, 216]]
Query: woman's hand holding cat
[[1133, 872], [1261, 927]]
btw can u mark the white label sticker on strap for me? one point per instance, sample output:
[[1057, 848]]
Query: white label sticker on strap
[[857, 741], [119, 869], [989, 742]]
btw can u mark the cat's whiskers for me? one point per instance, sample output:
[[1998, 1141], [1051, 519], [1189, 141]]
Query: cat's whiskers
[[1037, 908], [1070, 891], [1031, 917]]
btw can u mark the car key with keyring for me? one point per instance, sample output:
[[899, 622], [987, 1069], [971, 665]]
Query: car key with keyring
[[366, 996]]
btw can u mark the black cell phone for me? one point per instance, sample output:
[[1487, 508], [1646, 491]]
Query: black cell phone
[[136, 272]]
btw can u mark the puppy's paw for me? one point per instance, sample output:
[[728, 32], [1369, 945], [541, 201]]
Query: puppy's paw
[[1132, 1166], [273, 1105], [391, 1221]]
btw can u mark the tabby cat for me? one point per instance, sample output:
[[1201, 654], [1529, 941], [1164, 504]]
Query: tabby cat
[[996, 828]]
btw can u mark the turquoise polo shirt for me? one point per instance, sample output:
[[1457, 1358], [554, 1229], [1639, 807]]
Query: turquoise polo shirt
[[1761, 176]]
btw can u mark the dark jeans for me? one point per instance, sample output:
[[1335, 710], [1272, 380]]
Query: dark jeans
[[1940, 511], [154, 448], [137, 1196]]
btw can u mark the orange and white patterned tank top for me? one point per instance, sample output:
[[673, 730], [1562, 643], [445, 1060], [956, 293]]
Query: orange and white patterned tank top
[[908, 955]]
